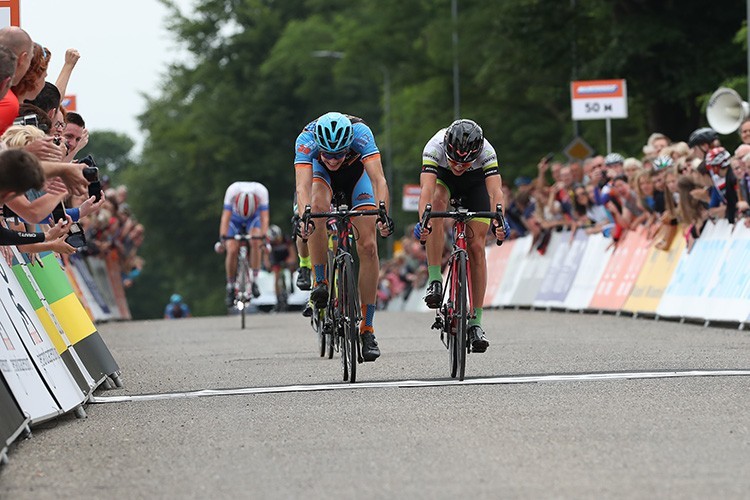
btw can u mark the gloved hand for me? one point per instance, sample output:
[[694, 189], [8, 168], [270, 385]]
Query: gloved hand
[[386, 227], [219, 247]]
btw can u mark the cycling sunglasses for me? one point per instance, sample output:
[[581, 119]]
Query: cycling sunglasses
[[333, 156]]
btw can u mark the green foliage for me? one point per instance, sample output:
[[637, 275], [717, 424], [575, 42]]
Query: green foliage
[[232, 110]]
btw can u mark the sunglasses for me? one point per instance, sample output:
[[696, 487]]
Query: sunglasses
[[333, 156]]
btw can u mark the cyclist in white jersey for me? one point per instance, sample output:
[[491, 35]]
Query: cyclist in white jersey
[[245, 212], [458, 162]]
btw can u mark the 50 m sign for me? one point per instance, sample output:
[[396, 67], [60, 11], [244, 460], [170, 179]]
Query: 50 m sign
[[598, 99]]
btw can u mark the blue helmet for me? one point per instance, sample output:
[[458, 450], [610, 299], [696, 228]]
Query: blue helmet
[[176, 298], [333, 132]]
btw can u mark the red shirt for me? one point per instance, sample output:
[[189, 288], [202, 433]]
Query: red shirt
[[8, 110]]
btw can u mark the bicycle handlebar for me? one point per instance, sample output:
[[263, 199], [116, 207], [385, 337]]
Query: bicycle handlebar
[[243, 237], [342, 213], [463, 215]]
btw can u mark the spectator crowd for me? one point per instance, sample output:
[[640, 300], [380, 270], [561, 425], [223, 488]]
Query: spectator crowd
[[70, 205]]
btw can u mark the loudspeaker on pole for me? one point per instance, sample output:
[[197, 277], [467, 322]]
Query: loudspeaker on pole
[[726, 110]]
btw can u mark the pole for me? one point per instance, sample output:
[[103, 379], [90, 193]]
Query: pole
[[456, 91], [609, 135]]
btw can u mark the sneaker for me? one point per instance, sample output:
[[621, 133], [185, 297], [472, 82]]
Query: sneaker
[[434, 294], [308, 310], [370, 350], [255, 290], [230, 297], [303, 278], [479, 342], [319, 295]]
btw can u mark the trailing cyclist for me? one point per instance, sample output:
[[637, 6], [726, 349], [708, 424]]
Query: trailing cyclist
[[245, 212], [281, 256], [337, 154], [458, 162]]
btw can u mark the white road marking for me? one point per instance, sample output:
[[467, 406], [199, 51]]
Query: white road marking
[[581, 377]]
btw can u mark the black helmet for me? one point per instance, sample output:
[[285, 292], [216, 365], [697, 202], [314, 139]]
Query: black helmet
[[464, 141], [705, 135]]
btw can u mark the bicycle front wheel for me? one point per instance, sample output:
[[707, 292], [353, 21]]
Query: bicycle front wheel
[[243, 282], [462, 315], [347, 304]]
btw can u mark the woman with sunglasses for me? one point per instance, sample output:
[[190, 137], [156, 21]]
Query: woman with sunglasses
[[336, 155]]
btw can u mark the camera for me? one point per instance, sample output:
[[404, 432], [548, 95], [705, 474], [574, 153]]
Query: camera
[[76, 237], [91, 173], [27, 120], [57, 141]]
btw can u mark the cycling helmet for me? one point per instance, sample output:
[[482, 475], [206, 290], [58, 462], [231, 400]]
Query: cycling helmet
[[176, 298], [333, 132], [464, 141], [705, 135], [274, 233], [613, 159], [662, 162], [244, 204], [717, 158]]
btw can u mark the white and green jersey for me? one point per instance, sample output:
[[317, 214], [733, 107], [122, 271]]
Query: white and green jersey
[[433, 157]]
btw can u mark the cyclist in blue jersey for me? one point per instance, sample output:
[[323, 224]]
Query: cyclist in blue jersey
[[336, 154], [245, 212], [176, 308]]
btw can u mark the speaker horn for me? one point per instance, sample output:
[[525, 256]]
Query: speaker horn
[[726, 110]]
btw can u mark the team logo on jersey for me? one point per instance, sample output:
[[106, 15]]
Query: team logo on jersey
[[304, 149], [364, 196]]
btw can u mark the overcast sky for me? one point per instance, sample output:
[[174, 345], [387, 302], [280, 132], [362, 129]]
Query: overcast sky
[[124, 49]]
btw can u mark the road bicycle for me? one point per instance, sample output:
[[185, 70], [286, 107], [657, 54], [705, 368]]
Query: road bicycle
[[457, 304], [342, 314], [243, 281]]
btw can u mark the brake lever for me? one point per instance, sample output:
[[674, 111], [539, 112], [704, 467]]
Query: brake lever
[[501, 220]]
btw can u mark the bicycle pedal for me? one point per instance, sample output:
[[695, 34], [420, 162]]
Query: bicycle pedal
[[438, 324]]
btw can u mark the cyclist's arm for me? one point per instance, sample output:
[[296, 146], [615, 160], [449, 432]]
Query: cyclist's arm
[[224, 224], [264, 221], [303, 179], [374, 169], [427, 183], [494, 185]]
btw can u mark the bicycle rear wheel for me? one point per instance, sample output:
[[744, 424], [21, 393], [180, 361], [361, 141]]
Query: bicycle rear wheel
[[347, 305], [319, 318]]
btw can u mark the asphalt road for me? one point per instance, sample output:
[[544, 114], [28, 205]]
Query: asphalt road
[[570, 406]]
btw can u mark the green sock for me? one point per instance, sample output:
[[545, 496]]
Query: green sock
[[434, 273], [305, 262], [478, 319]]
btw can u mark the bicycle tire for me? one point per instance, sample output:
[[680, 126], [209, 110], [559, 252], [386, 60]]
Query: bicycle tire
[[449, 324], [462, 315], [347, 305], [243, 280], [319, 314]]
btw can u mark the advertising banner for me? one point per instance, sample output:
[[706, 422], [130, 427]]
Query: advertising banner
[[513, 270], [654, 278], [683, 297], [13, 421], [728, 294], [18, 314], [594, 261], [68, 314], [497, 262], [534, 271], [621, 272]]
